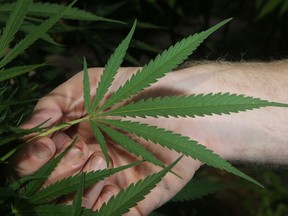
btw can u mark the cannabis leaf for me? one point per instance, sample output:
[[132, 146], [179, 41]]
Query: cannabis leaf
[[129, 144], [76, 208], [70, 184], [107, 77], [41, 9], [13, 24], [32, 37], [178, 143], [6, 74], [192, 106], [126, 199], [112, 67], [46, 170], [197, 188], [162, 64]]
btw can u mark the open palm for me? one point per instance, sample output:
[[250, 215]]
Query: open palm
[[65, 103]]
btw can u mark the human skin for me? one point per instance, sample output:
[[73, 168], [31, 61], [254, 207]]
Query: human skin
[[254, 136]]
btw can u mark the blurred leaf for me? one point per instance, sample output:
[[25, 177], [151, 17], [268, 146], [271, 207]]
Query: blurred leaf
[[284, 8], [9, 73], [46, 210], [196, 189], [144, 46], [258, 3], [46, 37], [20, 9], [32, 37], [48, 9], [268, 8]]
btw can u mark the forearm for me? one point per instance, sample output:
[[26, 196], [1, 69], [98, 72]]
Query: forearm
[[260, 135]]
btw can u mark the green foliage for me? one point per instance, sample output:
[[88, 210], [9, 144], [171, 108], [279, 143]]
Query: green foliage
[[197, 188], [162, 64], [271, 5], [192, 106], [112, 67], [13, 24], [71, 184], [40, 9], [44, 172], [28, 197], [125, 199]]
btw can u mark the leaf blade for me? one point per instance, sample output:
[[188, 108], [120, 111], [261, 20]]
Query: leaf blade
[[10, 73], [32, 37], [129, 144], [191, 105], [49, 9], [161, 65], [70, 184], [196, 189], [45, 170], [101, 140], [125, 199], [14, 22], [76, 208], [111, 67], [179, 143], [86, 88]]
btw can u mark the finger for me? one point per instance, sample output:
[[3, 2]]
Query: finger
[[71, 163], [90, 195], [108, 191], [32, 156]]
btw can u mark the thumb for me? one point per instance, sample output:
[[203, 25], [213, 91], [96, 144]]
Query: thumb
[[46, 113]]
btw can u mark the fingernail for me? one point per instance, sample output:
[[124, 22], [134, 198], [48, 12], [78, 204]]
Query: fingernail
[[41, 150], [97, 163], [74, 156]]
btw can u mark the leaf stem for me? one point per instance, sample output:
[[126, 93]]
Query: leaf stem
[[61, 126]]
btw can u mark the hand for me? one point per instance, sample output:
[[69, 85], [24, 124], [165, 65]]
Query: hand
[[65, 103]]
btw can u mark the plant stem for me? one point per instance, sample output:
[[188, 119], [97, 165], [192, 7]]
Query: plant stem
[[61, 126]]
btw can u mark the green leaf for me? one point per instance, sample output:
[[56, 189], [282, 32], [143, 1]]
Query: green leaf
[[28, 28], [268, 8], [128, 198], [70, 184], [33, 36], [47, 10], [192, 105], [112, 67], [20, 9], [101, 140], [162, 64], [45, 170], [8, 103], [284, 8], [129, 144], [86, 86], [178, 143], [144, 46], [196, 189], [6, 74], [76, 208], [47, 210]]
